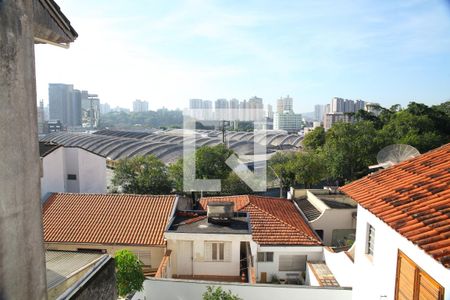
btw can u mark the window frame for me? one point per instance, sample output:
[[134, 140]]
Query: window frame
[[370, 240], [265, 257], [217, 253]]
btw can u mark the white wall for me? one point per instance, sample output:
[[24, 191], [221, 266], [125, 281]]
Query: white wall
[[341, 266], [89, 168], [271, 268], [200, 265], [92, 171], [376, 275], [52, 179], [169, 289], [332, 219]]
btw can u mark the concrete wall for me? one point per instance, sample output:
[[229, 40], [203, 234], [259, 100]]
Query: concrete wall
[[169, 289], [53, 173], [331, 220], [89, 168], [200, 265], [341, 266], [156, 253], [272, 268], [22, 269], [379, 271]]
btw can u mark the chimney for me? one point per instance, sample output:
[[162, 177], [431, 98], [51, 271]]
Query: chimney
[[220, 212]]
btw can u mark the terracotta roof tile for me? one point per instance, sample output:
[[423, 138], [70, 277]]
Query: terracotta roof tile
[[274, 221], [107, 218], [413, 197]]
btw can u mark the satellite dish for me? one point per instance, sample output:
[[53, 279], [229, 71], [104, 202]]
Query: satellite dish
[[393, 154]]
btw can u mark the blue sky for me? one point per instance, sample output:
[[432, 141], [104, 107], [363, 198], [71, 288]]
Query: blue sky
[[167, 52]]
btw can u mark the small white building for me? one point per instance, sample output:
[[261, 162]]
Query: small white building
[[71, 170], [402, 248], [330, 213]]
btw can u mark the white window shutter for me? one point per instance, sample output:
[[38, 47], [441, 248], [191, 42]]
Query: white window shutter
[[227, 249], [208, 251]]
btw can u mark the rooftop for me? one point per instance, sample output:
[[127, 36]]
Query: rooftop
[[61, 265], [413, 198], [309, 210], [107, 218], [197, 222], [323, 274], [47, 148], [274, 221]]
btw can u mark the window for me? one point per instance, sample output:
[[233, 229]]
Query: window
[[370, 240], [292, 263], [265, 256], [217, 251], [71, 177], [320, 233], [412, 283]]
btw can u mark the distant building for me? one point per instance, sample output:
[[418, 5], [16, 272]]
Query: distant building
[[285, 104], [269, 111], [90, 105], [53, 126], [41, 118], [105, 108], [330, 118], [373, 108], [288, 121], [140, 106], [195, 104], [319, 111], [60, 97]]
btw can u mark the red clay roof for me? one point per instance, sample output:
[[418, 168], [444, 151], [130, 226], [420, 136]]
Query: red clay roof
[[274, 221], [412, 197], [107, 218]]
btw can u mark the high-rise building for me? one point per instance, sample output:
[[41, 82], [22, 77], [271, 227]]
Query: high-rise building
[[285, 104], [75, 109], [318, 112], [105, 108], [289, 121], [140, 106], [331, 118], [195, 103], [90, 109], [60, 101], [269, 113], [41, 117]]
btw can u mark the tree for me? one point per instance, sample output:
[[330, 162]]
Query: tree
[[129, 275], [309, 168], [216, 293], [314, 139], [280, 167], [350, 148], [233, 185], [142, 175], [210, 162]]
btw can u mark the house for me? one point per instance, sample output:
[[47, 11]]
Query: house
[[213, 245], [282, 239], [106, 223], [71, 169], [331, 214], [402, 248]]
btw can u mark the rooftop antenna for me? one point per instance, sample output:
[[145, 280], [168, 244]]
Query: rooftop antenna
[[394, 154]]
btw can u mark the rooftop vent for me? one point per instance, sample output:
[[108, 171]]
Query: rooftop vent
[[220, 212]]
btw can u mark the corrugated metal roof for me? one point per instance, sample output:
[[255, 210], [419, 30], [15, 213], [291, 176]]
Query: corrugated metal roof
[[412, 197], [61, 265], [107, 218], [274, 221]]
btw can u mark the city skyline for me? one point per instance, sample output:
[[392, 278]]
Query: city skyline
[[168, 53]]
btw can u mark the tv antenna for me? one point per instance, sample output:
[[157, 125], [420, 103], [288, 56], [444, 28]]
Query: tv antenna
[[394, 154]]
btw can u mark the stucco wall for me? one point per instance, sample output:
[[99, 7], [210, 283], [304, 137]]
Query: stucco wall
[[341, 266], [271, 268], [200, 265], [156, 253], [169, 289], [53, 174], [376, 275]]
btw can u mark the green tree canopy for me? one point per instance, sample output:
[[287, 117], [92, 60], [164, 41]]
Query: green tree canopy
[[314, 139], [129, 275], [216, 293], [309, 168], [142, 175]]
